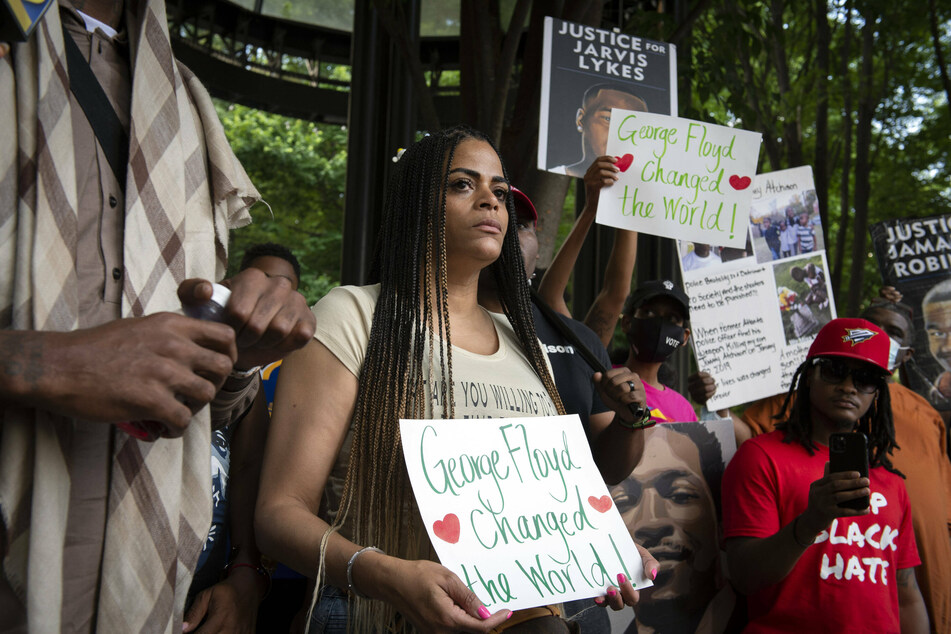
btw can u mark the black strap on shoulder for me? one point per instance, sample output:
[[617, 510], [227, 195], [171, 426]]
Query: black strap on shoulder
[[641, 413], [99, 112]]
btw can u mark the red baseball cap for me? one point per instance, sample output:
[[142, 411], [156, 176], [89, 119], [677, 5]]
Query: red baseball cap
[[523, 206], [853, 338]]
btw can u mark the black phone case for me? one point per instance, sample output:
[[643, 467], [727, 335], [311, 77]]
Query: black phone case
[[849, 452]]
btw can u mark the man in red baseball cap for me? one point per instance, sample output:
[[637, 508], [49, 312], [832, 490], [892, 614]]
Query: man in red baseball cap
[[807, 563]]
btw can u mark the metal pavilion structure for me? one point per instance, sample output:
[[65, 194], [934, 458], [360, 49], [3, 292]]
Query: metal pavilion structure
[[274, 55]]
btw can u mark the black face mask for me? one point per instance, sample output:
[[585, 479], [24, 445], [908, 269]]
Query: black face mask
[[654, 339]]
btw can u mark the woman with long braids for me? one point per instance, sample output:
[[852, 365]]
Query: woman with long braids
[[335, 499], [816, 550]]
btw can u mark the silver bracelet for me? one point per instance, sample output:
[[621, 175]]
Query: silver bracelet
[[350, 587]]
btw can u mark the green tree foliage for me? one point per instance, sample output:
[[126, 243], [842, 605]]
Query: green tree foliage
[[754, 65], [761, 65], [299, 167]]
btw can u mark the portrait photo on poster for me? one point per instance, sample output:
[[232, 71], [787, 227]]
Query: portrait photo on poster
[[671, 505], [585, 73], [936, 314], [914, 257]]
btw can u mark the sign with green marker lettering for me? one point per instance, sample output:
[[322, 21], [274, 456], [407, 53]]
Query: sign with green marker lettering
[[680, 178], [517, 508]]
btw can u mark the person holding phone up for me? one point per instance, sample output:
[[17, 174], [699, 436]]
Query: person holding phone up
[[796, 545]]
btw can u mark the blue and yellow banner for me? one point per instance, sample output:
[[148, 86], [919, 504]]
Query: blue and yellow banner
[[18, 18]]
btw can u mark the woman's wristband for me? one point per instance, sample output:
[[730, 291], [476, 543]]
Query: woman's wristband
[[350, 587], [260, 570]]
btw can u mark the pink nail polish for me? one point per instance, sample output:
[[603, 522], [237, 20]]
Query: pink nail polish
[[611, 591], [621, 578], [653, 573], [484, 612], [509, 615], [599, 600]]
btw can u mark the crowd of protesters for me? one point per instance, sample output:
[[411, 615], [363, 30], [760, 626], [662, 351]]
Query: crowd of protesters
[[149, 483]]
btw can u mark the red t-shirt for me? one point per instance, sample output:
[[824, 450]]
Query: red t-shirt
[[846, 581]]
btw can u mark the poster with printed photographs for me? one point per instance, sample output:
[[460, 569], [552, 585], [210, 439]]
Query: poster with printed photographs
[[755, 311], [587, 71], [670, 504], [914, 256]]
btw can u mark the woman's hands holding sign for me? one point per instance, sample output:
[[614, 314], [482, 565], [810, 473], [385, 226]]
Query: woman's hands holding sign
[[620, 596], [429, 595]]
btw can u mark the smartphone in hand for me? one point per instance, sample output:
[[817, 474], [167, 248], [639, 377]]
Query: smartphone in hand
[[849, 452]]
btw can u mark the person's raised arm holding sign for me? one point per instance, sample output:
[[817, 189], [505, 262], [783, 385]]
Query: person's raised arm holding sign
[[602, 316]]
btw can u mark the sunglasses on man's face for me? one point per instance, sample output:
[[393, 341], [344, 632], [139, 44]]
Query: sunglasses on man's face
[[865, 380]]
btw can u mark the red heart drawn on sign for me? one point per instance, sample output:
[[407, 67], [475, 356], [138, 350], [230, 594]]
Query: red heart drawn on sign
[[447, 529], [740, 182], [601, 504], [623, 162]]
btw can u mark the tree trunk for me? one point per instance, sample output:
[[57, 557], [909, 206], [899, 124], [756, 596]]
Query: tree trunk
[[519, 141], [520, 136], [823, 37], [478, 33], [938, 55], [504, 67], [684, 28], [394, 22], [763, 118], [790, 114], [846, 170], [863, 141], [770, 143]]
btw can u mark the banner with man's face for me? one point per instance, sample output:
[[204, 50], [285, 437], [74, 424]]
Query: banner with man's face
[[671, 505], [914, 256], [585, 73]]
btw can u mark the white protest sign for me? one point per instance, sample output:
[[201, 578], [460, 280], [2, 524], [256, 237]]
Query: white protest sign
[[754, 312], [680, 178], [738, 338], [517, 508]]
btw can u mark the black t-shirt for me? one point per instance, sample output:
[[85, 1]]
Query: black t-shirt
[[572, 373]]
